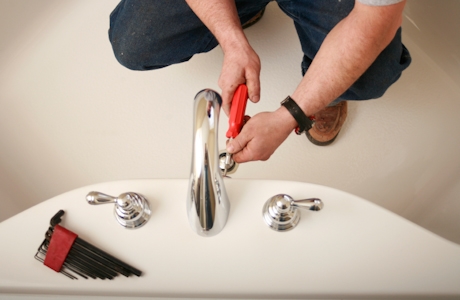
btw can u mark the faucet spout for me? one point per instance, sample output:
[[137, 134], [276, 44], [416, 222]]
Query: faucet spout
[[207, 202]]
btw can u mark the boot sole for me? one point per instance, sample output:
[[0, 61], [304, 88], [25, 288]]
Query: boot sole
[[318, 143]]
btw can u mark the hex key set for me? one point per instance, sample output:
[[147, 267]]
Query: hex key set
[[64, 252]]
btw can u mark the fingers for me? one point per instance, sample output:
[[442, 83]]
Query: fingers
[[260, 136], [239, 67], [253, 84], [227, 96], [238, 147], [234, 145], [246, 146]]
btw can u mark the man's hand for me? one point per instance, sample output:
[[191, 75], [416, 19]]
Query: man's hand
[[346, 53], [241, 65], [261, 136]]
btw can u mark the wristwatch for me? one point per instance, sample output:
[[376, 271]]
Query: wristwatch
[[304, 122]]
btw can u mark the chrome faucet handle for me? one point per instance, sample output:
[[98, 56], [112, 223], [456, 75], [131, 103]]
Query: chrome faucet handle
[[131, 210], [280, 212]]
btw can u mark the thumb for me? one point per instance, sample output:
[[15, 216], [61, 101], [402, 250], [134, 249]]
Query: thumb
[[253, 84], [239, 148], [235, 145]]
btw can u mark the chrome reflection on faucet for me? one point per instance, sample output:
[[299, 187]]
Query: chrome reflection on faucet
[[207, 201]]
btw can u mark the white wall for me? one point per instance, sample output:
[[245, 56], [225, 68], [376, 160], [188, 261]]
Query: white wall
[[72, 116]]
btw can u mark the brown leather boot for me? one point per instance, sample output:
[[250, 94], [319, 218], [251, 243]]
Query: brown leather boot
[[328, 123]]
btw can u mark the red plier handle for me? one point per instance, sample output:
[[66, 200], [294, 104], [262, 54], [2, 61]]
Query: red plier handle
[[237, 110]]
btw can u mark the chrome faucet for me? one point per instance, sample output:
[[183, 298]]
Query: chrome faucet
[[207, 202]]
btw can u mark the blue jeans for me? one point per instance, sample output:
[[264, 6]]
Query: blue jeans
[[152, 34]]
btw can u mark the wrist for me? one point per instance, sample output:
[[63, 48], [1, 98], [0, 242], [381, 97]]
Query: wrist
[[286, 119], [303, 122], [235, 42]]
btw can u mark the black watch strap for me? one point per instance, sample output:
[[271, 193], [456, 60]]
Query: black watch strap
[[302, 120]]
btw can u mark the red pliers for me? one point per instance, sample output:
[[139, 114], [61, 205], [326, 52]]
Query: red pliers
[[236, 119]]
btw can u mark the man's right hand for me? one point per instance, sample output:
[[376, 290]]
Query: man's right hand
[[241, 65]]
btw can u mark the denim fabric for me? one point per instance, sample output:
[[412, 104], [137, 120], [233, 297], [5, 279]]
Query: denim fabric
[[152, 34]]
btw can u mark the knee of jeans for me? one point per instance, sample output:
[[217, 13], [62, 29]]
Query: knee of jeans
[[377, 79], [138, 52], [127, 60], [134, 57], [366, 89], [370, 87], [385, 71], [133, 62]]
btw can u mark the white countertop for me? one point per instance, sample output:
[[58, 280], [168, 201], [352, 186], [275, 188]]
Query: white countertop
[[351, 248]]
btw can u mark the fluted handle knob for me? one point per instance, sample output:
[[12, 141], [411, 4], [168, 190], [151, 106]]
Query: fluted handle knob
[[280, 212], [131, 210]]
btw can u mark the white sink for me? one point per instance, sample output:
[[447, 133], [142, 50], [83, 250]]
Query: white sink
[[350, 249]]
